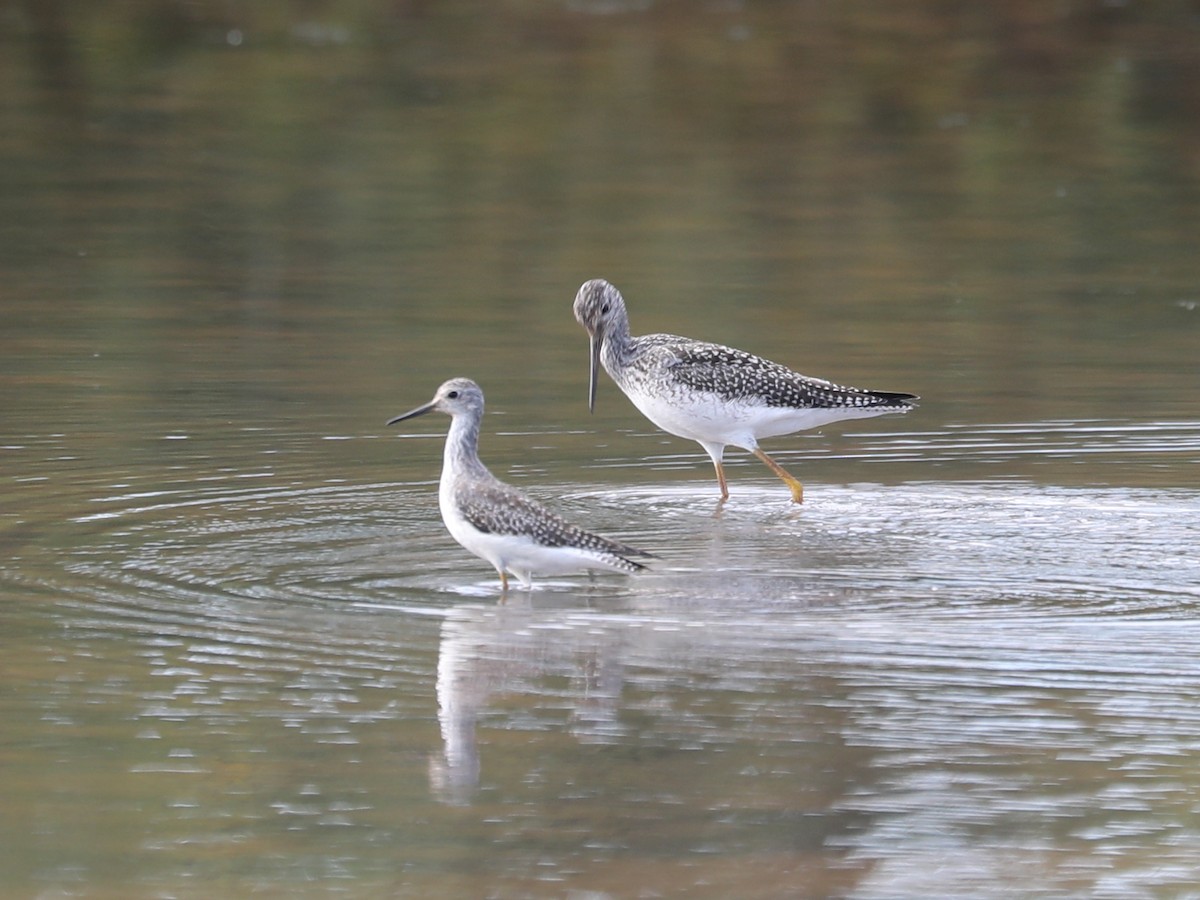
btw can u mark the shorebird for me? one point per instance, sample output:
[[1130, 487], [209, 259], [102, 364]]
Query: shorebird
[[712, 394], [497, 522]]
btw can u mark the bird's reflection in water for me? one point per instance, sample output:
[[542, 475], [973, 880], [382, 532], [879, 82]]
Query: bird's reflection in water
[[486, 651]]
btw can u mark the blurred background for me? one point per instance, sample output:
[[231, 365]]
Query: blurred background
[[341, 203]]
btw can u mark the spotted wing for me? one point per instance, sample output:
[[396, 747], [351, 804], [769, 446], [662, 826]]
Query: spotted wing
[[496, 508], [736, 375]]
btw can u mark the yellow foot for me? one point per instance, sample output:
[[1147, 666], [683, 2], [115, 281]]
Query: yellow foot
[[794, 486], [721, 480]]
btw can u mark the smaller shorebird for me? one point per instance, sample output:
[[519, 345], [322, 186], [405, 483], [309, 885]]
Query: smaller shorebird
[[712, 394], [497, 522]]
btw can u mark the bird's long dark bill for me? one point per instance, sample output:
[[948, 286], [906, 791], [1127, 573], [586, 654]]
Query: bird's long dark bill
[[595, 374], [413, 413]]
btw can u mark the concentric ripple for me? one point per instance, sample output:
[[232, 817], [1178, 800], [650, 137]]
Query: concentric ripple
[[993, 674]]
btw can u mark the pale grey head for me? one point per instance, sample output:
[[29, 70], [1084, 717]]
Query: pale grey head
[[456, 397], [600, 309]]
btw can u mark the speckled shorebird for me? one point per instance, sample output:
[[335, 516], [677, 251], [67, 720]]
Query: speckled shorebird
[[497, 522], [712, 394]]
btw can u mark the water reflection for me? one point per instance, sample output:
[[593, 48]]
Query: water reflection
[[840, 692], [885, 742]]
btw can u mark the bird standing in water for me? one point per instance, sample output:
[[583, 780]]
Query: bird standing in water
[[712, 394], [497, 522]]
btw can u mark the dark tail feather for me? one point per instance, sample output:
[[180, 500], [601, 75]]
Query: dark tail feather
[[893, 398]]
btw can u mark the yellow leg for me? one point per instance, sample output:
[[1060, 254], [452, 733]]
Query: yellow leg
[[795, 486], [721, 479], [503, 581]]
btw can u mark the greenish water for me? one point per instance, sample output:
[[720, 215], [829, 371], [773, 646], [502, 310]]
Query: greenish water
[[242, 656]]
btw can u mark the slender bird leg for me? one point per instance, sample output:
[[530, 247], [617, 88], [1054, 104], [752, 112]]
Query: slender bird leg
[[503, 582], [721, 479], [795, 486]]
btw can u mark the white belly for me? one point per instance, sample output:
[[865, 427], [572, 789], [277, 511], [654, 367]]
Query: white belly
[[711, 420]]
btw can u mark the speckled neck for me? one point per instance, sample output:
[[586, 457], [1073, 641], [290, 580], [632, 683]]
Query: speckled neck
[[619, 347], [461, 455]]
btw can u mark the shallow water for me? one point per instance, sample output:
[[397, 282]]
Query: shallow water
[[242, 656], [898, 689]]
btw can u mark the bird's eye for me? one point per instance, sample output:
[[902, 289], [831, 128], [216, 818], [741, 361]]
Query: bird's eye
[[453, 395], [604, 310]]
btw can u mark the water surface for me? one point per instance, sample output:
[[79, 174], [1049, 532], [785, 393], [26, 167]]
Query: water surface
[[241, 654]]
